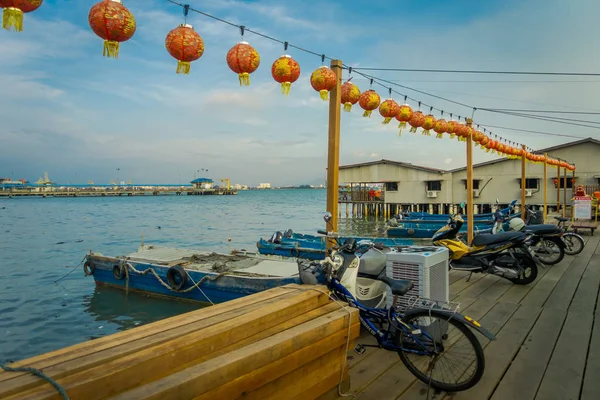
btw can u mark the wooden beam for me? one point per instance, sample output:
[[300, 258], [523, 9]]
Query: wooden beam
[[564, 213], [470, 208], [558, 188], [333, 153], [545, 186], [523, 181]]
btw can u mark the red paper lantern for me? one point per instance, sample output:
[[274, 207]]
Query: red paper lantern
[[369, 101], [491, 145], [461, 131], [388, 109], [243, 59], [405, 113], [428, 124], [323, 80], [416, 121], [500, 148], [114, 23], [350, 95], [477, 137], [484, 141], [12, 18], [440, 127], [451, 128], [286, 71], [185, 45]]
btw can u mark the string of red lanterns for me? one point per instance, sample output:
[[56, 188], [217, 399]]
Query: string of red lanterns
[[113, 22]]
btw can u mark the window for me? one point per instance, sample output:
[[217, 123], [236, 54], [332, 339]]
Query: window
[[475, 183], [391, 186], [530, 183], [434, 185], [562, 183]]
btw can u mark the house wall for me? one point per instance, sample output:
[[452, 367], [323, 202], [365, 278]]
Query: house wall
[[497, 180], [412, 186]]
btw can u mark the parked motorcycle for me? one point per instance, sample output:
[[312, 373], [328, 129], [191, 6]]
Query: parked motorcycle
[[504, 254], [547, 243]]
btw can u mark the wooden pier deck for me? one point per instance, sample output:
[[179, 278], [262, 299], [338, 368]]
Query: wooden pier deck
[[548, 338]]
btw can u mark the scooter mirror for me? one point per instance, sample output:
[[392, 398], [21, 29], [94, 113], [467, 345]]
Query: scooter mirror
[[327, 217], [462, 205]]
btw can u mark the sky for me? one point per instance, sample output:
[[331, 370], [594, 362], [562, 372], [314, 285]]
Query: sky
[[68, 111]]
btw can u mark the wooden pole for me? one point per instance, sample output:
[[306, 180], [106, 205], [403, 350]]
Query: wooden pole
[[469, 211], [523, 182], [564, 213], [558, 188], [572, 191], [545, 186], [333, 153]]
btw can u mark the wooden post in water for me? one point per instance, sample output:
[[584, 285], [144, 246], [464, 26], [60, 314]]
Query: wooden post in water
[[523, 181], [333, 153], [545, 186], [564, 213], [469, 211]]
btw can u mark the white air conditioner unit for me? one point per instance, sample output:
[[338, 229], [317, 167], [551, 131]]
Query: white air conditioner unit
[[528, 192], [432, 193], [426, 267], [475, 192]]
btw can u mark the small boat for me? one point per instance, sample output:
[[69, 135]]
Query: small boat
[[194, 275], [426, 229], [291, 244], [414, 216]]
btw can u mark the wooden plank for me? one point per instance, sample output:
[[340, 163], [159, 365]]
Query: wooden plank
[[296, 382], [539, 295], [496, 291], [218, 371], [107, 342], [279, 375], [587, 292], [499, 353], [371, 369], [525, 373], [139, 367], [591, 383], [561, 296], [480, 286], [454, 276], [564, 374], [462, 284], [517, 293]]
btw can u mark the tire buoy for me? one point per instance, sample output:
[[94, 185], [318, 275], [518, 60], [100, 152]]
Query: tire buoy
[[411, 231], [119, 272], [89, 268], [177, 277]]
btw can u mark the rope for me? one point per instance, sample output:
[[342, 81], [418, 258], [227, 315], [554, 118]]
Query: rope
[[71, 271], [37, 373]]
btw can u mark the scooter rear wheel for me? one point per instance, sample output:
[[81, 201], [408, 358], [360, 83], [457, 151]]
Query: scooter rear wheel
[[574, 243], [530, 270]]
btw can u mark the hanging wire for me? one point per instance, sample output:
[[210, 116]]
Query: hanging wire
[[452, 71], [380, 81]]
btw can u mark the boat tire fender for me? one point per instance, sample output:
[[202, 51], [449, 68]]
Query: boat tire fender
[[177, 277], [119, 272], [288, 234], [89, 268], [411, 231]]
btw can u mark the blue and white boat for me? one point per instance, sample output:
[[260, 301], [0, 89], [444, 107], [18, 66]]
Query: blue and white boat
[[311, 247], [417, 216], [194, 275]]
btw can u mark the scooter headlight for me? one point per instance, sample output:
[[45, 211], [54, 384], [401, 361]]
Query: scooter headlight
[[337, 260]]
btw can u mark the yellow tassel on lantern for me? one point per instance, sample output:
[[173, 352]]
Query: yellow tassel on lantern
[[413, 129], [244, 79], [386, 120], [12, 19], [347, 106], [324, 94], [452, 136], [439, 136], [183, 67], [402, 125], [426, 132], [367, 113], [400, 133], [111, 49], [285, 88]]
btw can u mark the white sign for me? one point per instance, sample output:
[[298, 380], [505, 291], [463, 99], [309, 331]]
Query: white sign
[[582, 208]]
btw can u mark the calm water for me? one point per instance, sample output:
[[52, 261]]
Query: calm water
[[42, 239]]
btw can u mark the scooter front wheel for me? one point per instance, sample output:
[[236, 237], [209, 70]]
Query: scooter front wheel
[[530, 270], [574, 243]]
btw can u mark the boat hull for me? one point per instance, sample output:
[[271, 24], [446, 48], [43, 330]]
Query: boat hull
[[223, 288]]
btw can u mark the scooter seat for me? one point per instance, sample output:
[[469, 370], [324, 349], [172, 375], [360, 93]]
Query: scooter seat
[[561, 219], [486, 240], [541, 229], [399, 286]]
